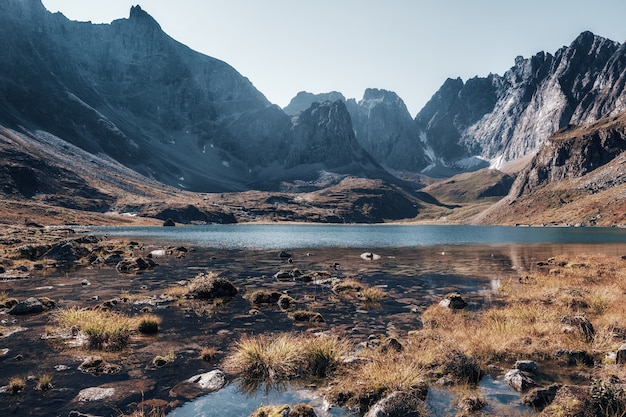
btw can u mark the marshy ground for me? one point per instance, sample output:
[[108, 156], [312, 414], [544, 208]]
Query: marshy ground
[[379, 317]]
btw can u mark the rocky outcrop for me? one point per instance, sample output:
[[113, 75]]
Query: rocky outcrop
[[385, 129], [323, 138], [128, 91], [574, 153], [502, 118], [303, 100]]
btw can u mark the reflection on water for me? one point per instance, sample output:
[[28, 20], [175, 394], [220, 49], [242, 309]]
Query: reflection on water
[[231, 402], [417, 266], [287, 236]]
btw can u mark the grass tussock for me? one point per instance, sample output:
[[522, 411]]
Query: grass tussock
[[208, 354], [104, 329], [16, 385], [44, 382], [148, 324], [377, 374], [286, 356]]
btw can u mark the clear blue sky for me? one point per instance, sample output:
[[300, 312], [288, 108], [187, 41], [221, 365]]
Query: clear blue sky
[[406, 46]]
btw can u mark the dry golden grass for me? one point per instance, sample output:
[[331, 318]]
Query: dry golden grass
[[266, 356], [208, 354], [286, 355], [323, 353], [148, 324], [44, 382], [105, 330], [530, 320], [376, 374], [16, 385]]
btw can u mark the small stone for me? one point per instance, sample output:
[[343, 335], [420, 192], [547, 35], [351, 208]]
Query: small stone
[[518, 380]]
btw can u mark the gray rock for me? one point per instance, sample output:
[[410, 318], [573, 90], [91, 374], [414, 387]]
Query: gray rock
[[526, 366], [95, 394], [539, 398], [453, 301], [399, 404], [32, 305], [519, 381], [209, 381]]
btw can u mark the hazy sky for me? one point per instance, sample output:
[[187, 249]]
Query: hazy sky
[[406, 46]]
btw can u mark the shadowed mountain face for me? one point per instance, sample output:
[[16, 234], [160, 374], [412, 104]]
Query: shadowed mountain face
[[131, 92]]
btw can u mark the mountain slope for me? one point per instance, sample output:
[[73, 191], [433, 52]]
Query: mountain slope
[[129, 91], [502, 118], [578, 177]]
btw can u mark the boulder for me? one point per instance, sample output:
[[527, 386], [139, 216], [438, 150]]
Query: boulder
[[65, 253], [209, 286], [199, 385], [518, 380], [284, 254], [95, 394], [209, 381], [169, 223], [115, 393], [526, 366], [32, 305], [399, 404], [540, 398], [580, 324], [453, 301], [134, 265]]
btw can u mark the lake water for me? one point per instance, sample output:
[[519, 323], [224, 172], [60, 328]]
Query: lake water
[[417, 260], [289, 236]]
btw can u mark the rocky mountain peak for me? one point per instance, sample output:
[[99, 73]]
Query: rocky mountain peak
[[140, 16], [323, 134], [303, 100], [385, 128]]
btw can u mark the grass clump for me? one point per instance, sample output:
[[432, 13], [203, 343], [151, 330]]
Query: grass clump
[[267, 357], [44, 382], [323, 354], [285, 356], [105, 329], [16, 385], [298, 410], [208, 354], [148, 324], [377, 375], [307, 316]]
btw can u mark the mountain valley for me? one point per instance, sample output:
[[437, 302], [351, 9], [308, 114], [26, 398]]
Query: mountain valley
[[121, 123]]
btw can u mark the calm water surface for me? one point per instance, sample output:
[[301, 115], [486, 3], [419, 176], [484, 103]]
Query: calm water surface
[[437, 256], [283, 236]]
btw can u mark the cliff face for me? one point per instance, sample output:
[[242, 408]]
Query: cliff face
[[129, 91], [384, 127], [577, 177], [575, 153], [502, 118]]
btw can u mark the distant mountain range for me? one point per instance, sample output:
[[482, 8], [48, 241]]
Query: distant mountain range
[[126, 92]]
